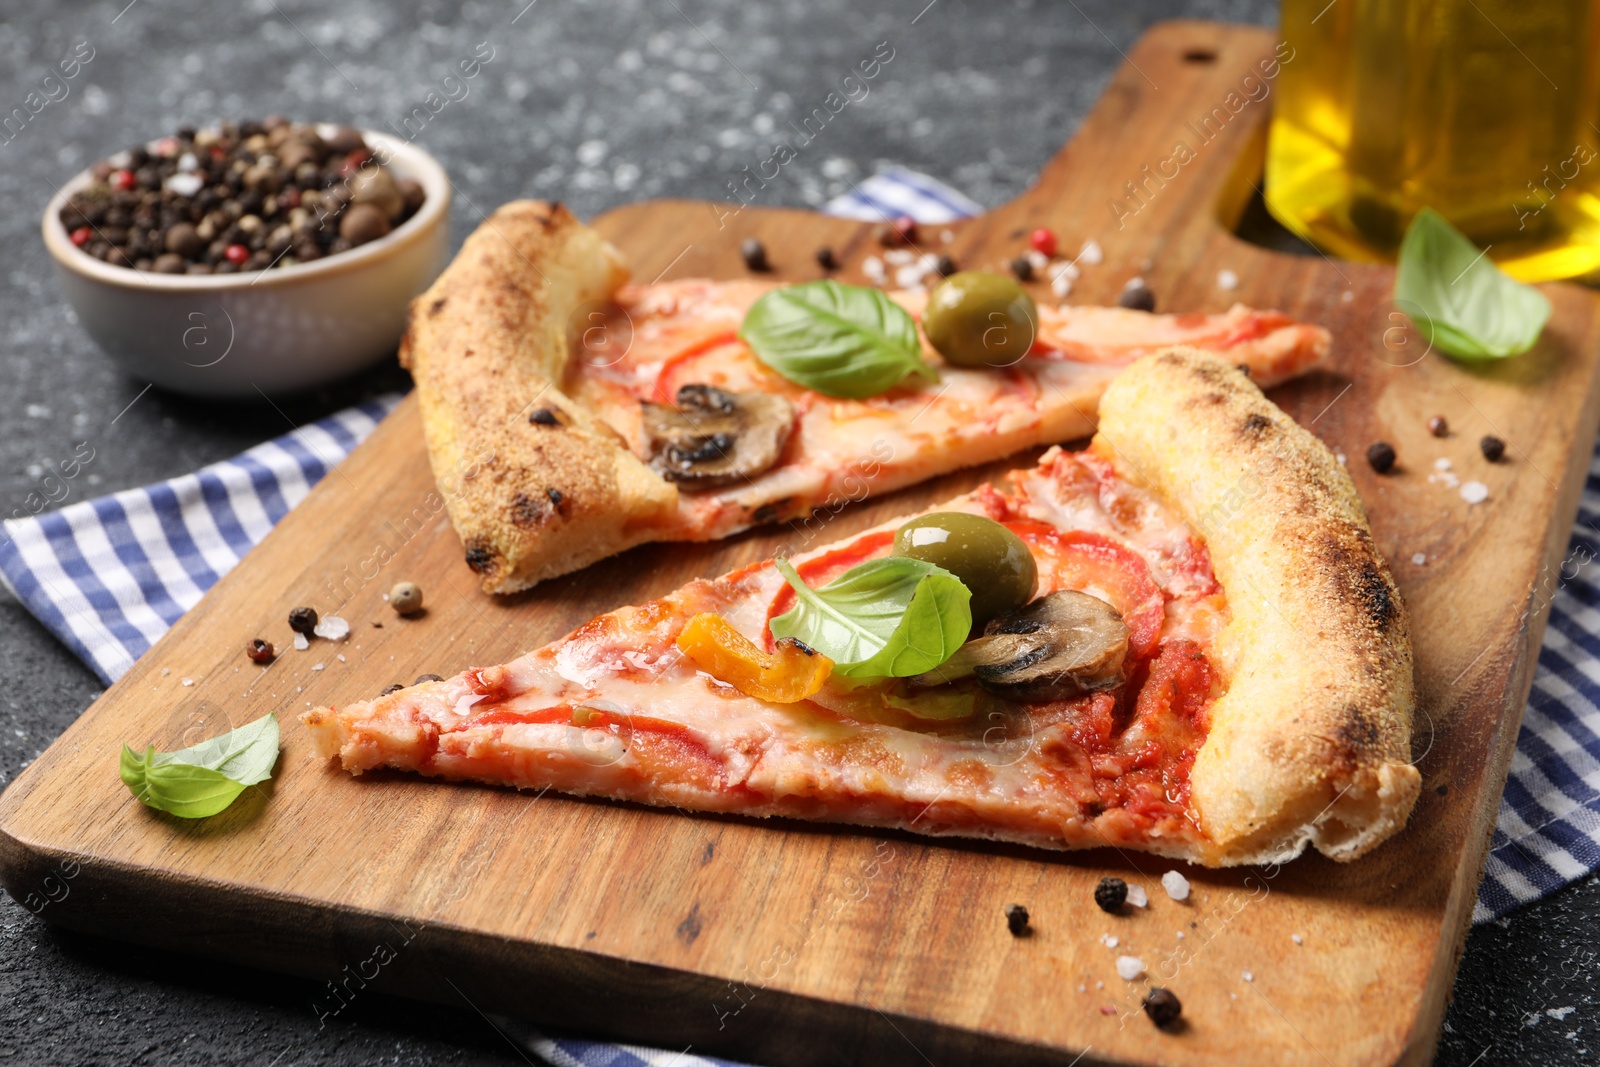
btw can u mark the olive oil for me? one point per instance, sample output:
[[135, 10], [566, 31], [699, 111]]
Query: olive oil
[[1487, 111]]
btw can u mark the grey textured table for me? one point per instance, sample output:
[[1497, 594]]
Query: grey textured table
[[595, 104]]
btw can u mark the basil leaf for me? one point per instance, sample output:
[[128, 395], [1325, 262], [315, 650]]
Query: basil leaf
[[1468, 307], [201, 780], [839, 340], [886, 618]]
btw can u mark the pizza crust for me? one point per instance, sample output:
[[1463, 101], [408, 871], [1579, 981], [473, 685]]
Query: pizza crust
[[535, 484], [1311, 742]]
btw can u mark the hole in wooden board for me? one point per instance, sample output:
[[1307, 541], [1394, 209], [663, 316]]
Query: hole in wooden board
[[1200, 54]]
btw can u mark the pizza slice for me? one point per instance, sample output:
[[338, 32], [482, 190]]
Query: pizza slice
[[1182, 640], [569, 416]]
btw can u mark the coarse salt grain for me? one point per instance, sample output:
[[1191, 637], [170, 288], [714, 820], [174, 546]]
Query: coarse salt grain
[[1137, 896], [1474, 492], [1340, 457], [1108, 940], [1129, 967], [946, 236], [332, 628], [1247, 976], [908, 277], [1176, 885], [316, 666], [899, 257], [184, 184], [342, 659], [1297, 939], [1441, 464], [873, 268], [300, 642], [1420, 558], [1091, 253], [188, 681], [1227, 279], [1065, 269], [1037, 259], [1061, 285]]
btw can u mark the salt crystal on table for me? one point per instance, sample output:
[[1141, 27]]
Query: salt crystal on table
[[1297, 939], [1247, 976], [300, 642], [1062, 285], [1129, 967], [1108, 940], [1420, 558], [1137, 897], [332, 628], [1474, 492], [873, 268], [1227, 279], [188, 681], [1441, 464], [908, 277], [899, 257], [1037, 259], [1091, 253], [1176, 885], [316, 666]]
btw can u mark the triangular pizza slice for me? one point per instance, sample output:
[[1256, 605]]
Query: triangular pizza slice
[[1198, 653], [569, 416]]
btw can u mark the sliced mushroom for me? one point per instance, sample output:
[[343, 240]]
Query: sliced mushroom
[[714, 437], [1059, 646]]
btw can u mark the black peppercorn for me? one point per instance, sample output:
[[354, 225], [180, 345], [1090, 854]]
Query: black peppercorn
[[543, 417], [945, 266], [1438, 426], [755, 254], [303, 620], [427, 678], [1492, 447], [1163, 1006], [260, 651], [1022, 267], [1381, 455], [1111, 894], [395, 688], [1138, 297], [826, 259], [1017, 920]]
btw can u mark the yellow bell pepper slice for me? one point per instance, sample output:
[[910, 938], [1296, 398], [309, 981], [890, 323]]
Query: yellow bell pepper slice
[[786, 676]]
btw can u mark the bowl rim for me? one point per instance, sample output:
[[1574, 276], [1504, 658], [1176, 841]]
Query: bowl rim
[[409, 160]]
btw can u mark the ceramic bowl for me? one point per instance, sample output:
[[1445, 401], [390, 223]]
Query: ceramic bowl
[[272, 331]]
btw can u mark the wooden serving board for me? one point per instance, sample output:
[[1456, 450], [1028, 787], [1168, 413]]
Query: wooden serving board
[[797, 944]]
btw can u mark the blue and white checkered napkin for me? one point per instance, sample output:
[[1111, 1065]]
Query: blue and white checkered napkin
[[109, 576]]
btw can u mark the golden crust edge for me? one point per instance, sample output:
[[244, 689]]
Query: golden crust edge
[[1310, 744], [487, 343]]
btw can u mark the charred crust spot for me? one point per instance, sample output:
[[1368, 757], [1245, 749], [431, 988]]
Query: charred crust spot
[[525, 511], [1358, 732], [543, 417], [1255, 425], [558, 500], [1376, 598], [479, 557], [436, 307]]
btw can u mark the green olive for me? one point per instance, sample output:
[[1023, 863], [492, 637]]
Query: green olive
[[978, 319], [990, 560]]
